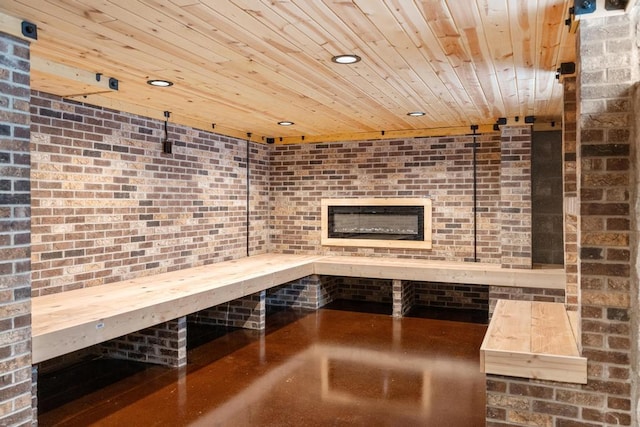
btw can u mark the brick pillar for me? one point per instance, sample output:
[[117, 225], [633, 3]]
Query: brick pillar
[[608, 72], [249, 312], [570, 192], [15, 235], [164, 344], [515, 196], [404, 297], [311, 292]]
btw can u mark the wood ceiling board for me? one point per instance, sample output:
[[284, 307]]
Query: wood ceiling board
[[306, 89], [243, 63], [426, 91], [142, 62]]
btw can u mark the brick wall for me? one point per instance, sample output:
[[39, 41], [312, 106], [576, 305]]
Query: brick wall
[[515, 197], [451, 295], [15, 305], [109, 205], [440, 168]]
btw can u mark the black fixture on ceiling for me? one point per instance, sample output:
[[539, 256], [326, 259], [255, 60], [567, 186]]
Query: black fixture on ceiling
[[29, 30]]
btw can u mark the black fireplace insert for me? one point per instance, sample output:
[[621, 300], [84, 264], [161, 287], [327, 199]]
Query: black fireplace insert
[[376, 222]]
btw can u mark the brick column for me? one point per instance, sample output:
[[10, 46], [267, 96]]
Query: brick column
[[608, 72], [515, 196], [15, 235], [404, 297], [311, 292], [164, 344], [249, 312], [570, 196]]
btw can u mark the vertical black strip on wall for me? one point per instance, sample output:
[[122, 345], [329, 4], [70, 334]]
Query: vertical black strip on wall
[[248, 189], [475, 194]]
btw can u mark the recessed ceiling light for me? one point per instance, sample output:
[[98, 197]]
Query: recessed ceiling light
[[346, 59], [286, 123], [416, 114], [160, 83]]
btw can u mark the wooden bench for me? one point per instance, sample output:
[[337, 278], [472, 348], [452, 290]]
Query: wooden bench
[[439, 271], [69, 321], [532, 340]]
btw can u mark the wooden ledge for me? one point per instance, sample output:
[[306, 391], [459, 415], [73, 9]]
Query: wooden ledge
[[69, 321], [532, 340], [470, 273]]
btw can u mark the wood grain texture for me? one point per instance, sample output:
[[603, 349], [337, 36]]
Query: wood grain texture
[[72, 320], [532, 340], [246, 64]]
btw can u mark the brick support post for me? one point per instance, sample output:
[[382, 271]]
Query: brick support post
[[249, 312], [164, 344], [16, 385], [404, 297], [608, 50], [311, 292]]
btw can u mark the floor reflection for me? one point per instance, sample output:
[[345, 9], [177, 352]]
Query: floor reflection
[[330, 367]]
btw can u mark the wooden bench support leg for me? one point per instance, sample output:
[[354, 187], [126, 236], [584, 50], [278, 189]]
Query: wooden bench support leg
[[404, 297], [311, 292], [163, 344], [248, 312]]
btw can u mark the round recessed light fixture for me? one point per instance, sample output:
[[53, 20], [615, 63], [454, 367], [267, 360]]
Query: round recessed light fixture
[[346, 59], [286, 123], [159, 83], [416, 114]]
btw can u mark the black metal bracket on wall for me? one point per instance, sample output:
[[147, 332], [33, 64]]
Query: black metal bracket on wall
[[167, 146], [474, 129]]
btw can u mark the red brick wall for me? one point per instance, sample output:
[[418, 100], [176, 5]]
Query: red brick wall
[[109, 205], [15, 305], [440, 168]]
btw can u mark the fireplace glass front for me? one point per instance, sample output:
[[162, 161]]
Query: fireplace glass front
[[376, 222]]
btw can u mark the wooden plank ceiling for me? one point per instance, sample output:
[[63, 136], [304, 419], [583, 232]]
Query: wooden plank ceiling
[[244, 65]]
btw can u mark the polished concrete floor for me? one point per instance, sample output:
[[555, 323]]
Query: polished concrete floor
[[333, 367]]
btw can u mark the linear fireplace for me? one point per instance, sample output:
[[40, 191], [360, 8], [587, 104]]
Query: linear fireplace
[[387, 222]]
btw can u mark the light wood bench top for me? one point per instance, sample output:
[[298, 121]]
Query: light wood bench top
[[69, 321], [440, 271], [532, 340]]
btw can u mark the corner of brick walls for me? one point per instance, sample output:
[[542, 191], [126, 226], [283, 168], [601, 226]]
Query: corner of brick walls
[[108, 205]]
